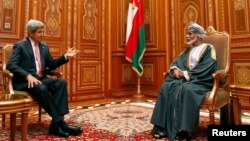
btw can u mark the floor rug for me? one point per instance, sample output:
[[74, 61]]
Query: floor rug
[[125, 121]]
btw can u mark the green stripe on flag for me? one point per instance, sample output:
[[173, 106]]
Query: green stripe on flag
[[138, 55]]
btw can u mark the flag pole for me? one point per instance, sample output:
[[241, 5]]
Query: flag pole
[[135, 41], [138, 95]]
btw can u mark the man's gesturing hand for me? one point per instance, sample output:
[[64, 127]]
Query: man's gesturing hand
[[71, 52]]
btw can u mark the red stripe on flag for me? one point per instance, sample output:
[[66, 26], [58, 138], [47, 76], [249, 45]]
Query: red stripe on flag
[[133, 39]]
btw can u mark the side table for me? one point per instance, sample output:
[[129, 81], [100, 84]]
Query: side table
[[12, 104]]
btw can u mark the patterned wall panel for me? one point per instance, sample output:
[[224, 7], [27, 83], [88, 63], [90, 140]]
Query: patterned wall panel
[[8, 9], [88, 38], [88, 76], [241, 22], [52, 17], [90, 51], [149, 74], [190, 11], [90, 28], [239, 17], [90, 20], [10, 18], [190, 15], [242, 73], [128, 74]]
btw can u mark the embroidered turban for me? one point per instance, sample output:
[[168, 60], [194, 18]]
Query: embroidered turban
[[197, 28]]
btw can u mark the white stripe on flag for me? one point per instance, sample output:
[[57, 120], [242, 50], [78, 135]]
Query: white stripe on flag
[[130, 18]]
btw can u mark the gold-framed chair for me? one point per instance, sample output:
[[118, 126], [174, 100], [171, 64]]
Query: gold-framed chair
[[219, 96], [7, 80]]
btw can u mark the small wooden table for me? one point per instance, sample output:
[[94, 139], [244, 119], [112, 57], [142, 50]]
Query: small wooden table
[[12, 104]]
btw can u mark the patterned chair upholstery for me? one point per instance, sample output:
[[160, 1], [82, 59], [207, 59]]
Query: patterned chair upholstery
[[219, 95]]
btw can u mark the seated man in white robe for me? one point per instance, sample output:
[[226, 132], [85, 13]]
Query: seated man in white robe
[[176, 112]]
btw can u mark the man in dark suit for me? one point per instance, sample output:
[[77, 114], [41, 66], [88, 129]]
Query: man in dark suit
[[28, 63]]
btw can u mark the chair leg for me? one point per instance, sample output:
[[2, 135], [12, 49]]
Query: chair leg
[[24, 125], [229, 113], [3, 120], [39, 113], [236, 111], [12, 126], [211, 117]]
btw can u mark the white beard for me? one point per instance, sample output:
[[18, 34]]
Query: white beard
[[192, 41]]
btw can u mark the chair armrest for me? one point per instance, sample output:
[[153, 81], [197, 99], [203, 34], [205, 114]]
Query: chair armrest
[[217, 76], [7, 73], [7, 81]]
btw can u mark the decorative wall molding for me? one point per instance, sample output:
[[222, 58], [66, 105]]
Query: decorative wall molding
[[88, 76], [35, 10], [241, 44], [127, 74], [223, 15], [52, 17], [90, 17], [240, 16], [242, 73], [149, 74], [210, 12], [239, 4], [27, 10]]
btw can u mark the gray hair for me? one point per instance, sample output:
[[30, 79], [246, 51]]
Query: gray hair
[[33, 25], [197, 28]]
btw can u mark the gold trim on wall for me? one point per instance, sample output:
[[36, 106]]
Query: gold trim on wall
[[210, 12]]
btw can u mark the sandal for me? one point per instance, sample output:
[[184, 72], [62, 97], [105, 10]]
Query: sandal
[[158, 133]]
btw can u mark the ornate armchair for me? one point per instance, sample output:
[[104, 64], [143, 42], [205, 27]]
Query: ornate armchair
[[219, 95], [7, 78]]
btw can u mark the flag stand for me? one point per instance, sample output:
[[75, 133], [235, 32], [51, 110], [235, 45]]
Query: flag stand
[[138, 96]]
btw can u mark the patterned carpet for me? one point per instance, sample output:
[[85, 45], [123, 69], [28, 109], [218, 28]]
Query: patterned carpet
[[123, 121]]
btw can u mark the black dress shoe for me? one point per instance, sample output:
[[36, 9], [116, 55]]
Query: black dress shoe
[[72, 130], [57, 131]]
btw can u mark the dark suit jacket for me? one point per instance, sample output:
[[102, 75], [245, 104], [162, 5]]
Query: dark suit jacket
[[22, 62]]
